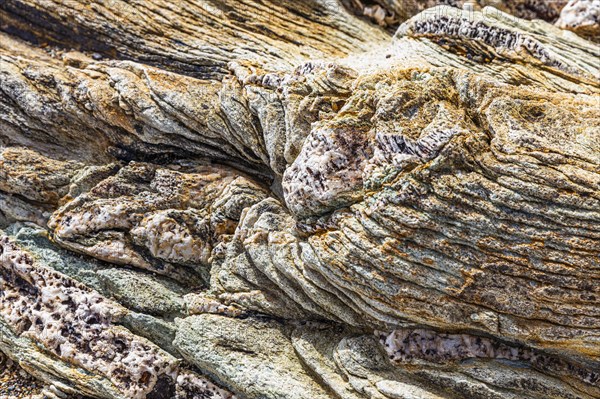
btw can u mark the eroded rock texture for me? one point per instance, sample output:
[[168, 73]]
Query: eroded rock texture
[[388, 13], [289, 200]]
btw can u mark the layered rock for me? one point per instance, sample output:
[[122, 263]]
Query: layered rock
[[196, 39], [153, 218], [60, 329], [280, 200]]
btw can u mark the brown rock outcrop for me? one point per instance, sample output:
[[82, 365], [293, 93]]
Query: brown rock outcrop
[[284, 200]]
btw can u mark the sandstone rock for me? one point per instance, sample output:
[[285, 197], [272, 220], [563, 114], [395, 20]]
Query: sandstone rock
[[282, 199]]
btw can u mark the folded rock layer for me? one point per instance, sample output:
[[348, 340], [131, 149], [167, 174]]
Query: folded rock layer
[[289, 200]]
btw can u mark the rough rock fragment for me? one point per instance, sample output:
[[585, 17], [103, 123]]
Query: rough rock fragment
[[62, 374], [492, 36], [120, 109], [175, 217], [287, 104], [32, 186], [337, 156], [548, 10], [197, 38], [389, 13], [581, 17], [361, 359], [76, 324], [406, 346], [36, 178], [135, 289]]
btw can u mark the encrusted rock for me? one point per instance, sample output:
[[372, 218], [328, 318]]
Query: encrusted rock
[[581, 17], [60, 329], [175, 217]]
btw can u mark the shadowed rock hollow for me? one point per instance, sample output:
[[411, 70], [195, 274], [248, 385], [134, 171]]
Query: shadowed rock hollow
[[301, 200]]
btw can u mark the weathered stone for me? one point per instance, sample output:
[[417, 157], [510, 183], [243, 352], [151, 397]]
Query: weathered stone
[[255, 357], [196, 39], [176, 218], [291, 201], [581, 17], [70, 336], [388, 13]]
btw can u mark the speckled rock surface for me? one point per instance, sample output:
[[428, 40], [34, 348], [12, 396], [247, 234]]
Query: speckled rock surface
[[301, 200], [15, 382], [581, 17]]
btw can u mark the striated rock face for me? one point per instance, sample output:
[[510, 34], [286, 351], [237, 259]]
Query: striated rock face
[[301, 200]]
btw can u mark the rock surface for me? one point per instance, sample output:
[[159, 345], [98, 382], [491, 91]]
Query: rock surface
[[14, 382], [388, 13], [582, 17], [301, 200]]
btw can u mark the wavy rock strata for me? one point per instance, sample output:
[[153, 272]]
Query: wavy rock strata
[[284, 200]]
